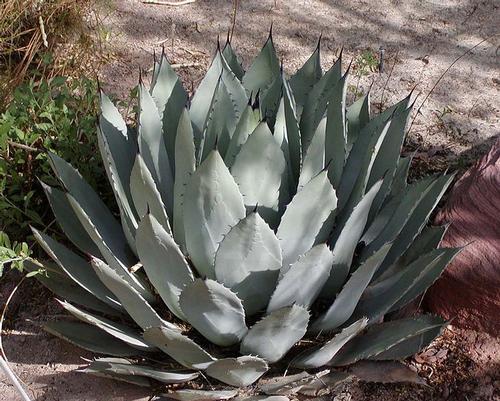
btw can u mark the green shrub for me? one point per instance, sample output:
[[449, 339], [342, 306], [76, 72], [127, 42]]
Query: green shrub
[[56, 115]]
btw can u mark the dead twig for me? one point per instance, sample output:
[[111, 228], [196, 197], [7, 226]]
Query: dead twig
[[168, 3]]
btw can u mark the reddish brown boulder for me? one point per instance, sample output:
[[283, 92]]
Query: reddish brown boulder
[[469, 289]]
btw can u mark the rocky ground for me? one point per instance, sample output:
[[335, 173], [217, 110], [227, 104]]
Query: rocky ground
[[421, 39]]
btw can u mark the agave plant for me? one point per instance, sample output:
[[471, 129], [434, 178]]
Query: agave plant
[[263, 224]]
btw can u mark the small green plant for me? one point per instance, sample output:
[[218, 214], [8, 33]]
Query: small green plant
[[264, 224], [366, 63], [12, 254], [55, 115]]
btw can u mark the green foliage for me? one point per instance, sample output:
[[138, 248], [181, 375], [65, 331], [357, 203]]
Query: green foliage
[[256, 219], [12, 253], [55, 115]]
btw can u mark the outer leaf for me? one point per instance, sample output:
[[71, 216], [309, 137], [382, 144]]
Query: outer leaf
[[302, 283], [264, 69], [117, 330], [145, 193], [185, 165], [90, 338], [179, 347], [345, 302], [232, 60], [238, 372], [152, 147], [212, 204], [68, 221], [170, 98], [287, 385], [163, 262], [320, 356], [304, 218], [412, 281], [382, 337], [106, 224], [306, 76], [64, 287], [263, 398], [336, 135], [108, 252], [248, 261], [99, 369], [316, 103], [418, 219], [358, 115], [345, 245], [136, 306], [76, 268], [215, 311], [274, 335], [385, 372], [258, 170], [124, 367], [202, 395], [314, 159], [247, 123]]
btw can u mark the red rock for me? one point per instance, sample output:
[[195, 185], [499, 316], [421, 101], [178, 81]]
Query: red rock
[[469, 289]]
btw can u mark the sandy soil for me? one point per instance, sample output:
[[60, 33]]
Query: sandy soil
[[421, 39]]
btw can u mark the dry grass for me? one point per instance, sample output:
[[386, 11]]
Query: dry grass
[[33, 31]]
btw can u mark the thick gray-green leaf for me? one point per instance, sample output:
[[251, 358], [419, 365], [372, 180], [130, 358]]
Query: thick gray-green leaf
[[220, 125], [120, 331], [258, 170], [316, 103], [68, 221], [418, 219], [248, 261], [302, 282], [232, 60], [432, 273], [99, 369], [273, 336], [427, 240], [111, 258], [314, 159], [215, 311], [287, 134], [263, 398], [304, 218], [336, 135], [326, 384], [97, 211], [263, 70], [382, 337], [306, 76], [152, 147], [385, 372], [202, 101], [238, 372], [64, 287], [393, 217], [133, 302], [269, 100], [322, 354], [411, 345], [170, 98], [212, 205], [145, 193], [163, 261], [345, 302], [247, 123], [185, 165], [125, 367], [90, 338], [409, 282], [201, 395], [78, 269], [358, 115], [179, 347], [345, 244], [287, 385]]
